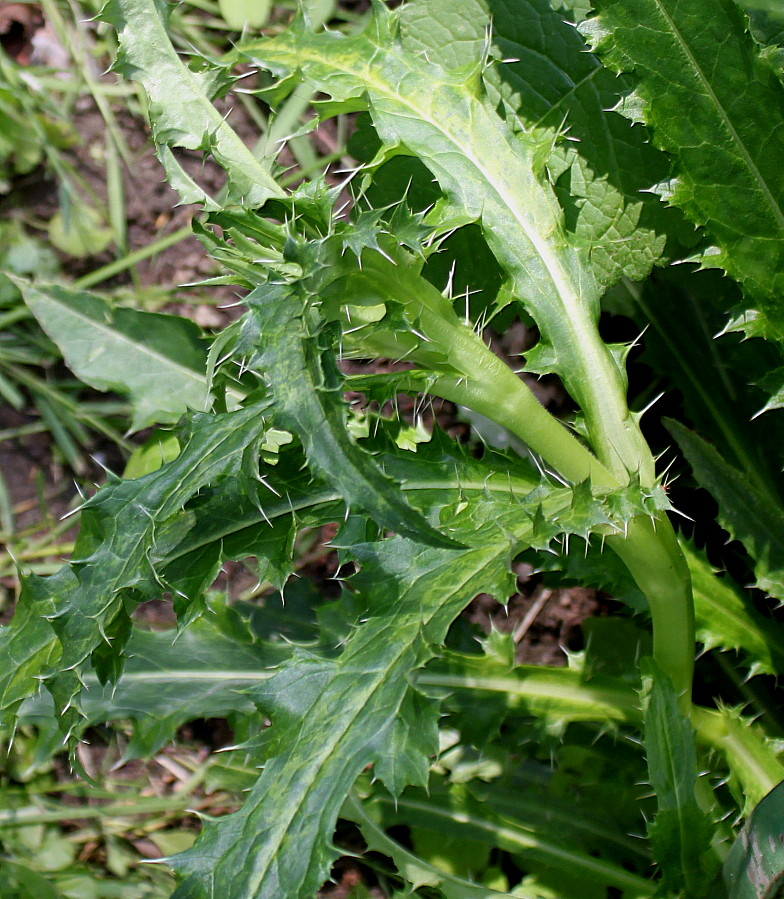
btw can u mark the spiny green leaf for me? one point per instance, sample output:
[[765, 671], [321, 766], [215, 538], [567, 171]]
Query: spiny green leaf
[[306, 386], [169, 678], [727, 619], [719, 402], [180, 109], [715, 103], [358, 707], [748, 515], [158, 361], [680, 834], [358, 711], [235, 523], [557, 695], [488, 174], [753, 758], [128, 528], [546, 80]]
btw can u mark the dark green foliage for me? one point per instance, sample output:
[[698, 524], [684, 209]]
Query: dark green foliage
[[496, 166]]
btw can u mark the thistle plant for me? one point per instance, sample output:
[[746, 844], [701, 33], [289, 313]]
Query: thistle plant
[[491, 122]]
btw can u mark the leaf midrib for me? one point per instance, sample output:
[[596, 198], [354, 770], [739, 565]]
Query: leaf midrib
[[330, 746], [323, 497], [775, 208], [119, 337]]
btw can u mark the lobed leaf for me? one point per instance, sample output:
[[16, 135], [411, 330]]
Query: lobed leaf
[[714, 102], [726, 617], [545, 79], [306, 387], [180, 107], [127, 530], [488, 174], [748, 515], [334, 716]]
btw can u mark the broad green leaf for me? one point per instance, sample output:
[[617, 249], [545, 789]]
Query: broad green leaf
[[79, 230], [245, 13], [754, 869], [546, 80], [488, 174], [681, 832], [169, 678], [180, 109], [716, 104], [748, 515], [158, 361]]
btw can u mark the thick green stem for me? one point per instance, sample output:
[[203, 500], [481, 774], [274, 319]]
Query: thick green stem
[[468, 373], [649, 548], [474, 376], [650, 551]]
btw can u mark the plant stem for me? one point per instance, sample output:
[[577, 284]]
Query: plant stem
[[649, 548], [474, 376], [650, 551]]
